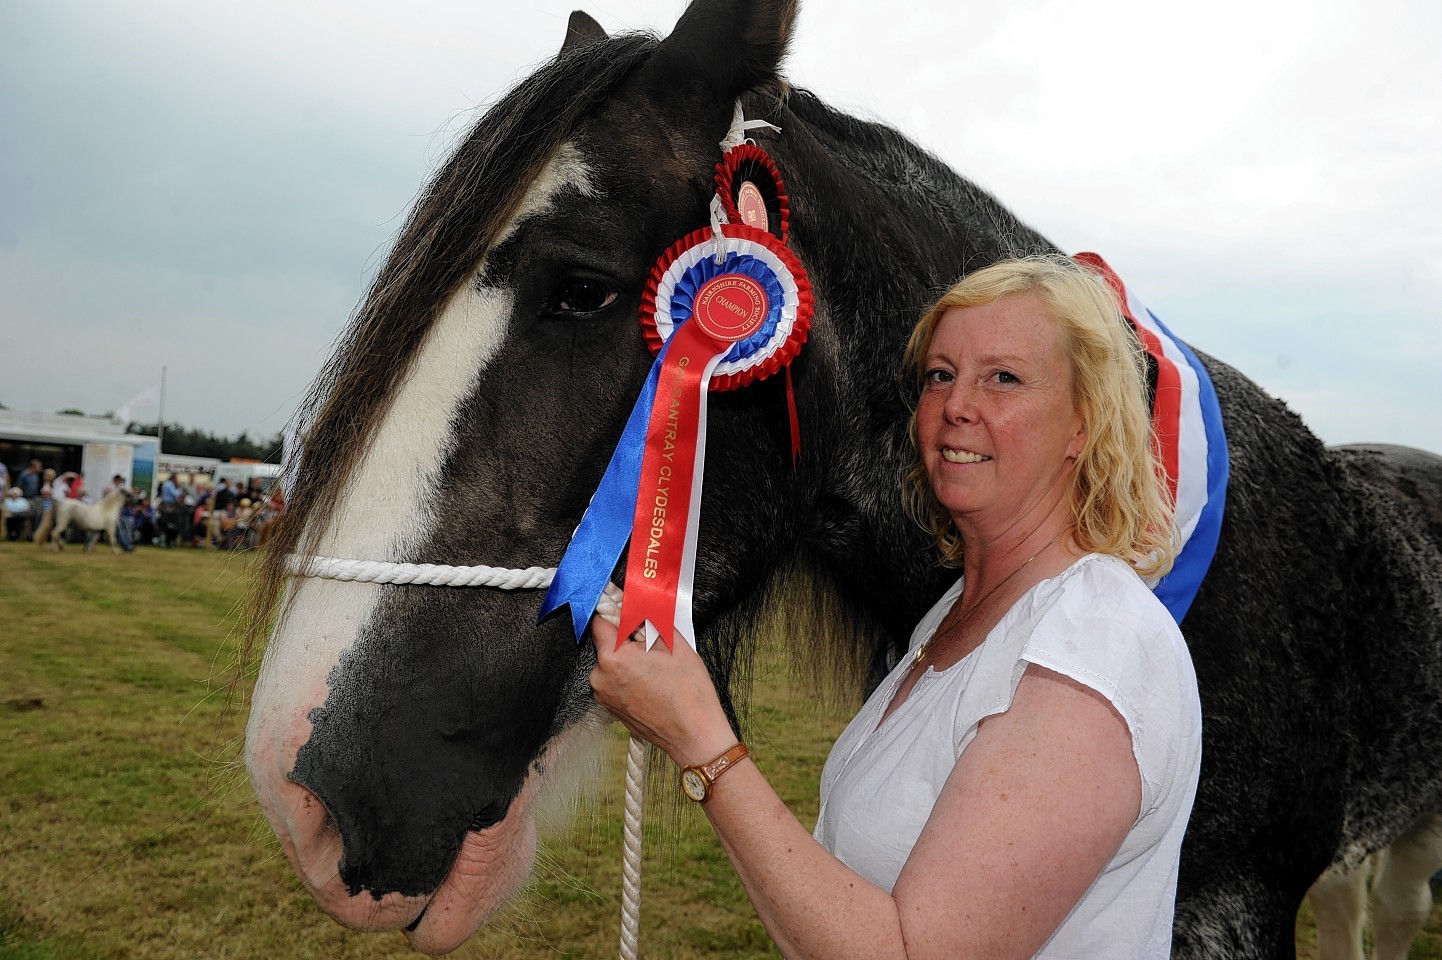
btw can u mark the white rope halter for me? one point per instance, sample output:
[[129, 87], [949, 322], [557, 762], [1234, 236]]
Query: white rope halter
[[421, 574]]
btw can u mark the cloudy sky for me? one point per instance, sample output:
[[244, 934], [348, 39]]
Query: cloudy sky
[[210, 186]]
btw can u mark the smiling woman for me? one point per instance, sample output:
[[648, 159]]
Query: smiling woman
[[996, 427], [1057, 734]]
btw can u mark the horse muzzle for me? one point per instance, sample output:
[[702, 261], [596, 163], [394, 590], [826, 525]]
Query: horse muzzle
[[439, 887]]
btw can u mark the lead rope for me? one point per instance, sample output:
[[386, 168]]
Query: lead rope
[[608, 608], [507, 578]]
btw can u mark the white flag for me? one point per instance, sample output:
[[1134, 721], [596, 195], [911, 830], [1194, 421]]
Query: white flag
[[125, 415]]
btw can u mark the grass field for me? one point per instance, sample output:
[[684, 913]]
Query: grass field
[[127, 830]]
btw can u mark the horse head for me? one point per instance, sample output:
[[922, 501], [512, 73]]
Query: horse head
[[400, 735]]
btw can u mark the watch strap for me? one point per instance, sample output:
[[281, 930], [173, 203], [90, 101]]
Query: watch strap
[[711, 771]]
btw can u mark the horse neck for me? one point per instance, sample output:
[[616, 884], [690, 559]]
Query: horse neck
[[884, 228]]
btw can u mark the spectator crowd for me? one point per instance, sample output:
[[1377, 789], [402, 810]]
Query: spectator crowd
[[188, 511]]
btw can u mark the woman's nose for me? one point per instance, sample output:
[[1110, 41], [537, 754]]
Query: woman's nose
[[960, 406]]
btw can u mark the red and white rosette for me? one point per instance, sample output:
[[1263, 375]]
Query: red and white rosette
[[752, 192]]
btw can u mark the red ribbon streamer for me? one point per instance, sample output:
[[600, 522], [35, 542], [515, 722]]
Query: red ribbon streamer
[[668, 473]]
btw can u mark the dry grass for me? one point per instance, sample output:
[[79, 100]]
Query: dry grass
[[128, 831]]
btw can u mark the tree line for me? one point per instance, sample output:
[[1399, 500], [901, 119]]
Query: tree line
[[182, 440]]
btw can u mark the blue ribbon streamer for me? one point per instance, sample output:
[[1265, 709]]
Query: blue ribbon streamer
[[597, 543]]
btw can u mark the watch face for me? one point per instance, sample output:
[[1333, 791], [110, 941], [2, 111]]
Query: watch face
[[693, 784]]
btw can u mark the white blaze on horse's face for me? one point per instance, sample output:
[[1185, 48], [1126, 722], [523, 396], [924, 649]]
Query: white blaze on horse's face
[[390, 504]]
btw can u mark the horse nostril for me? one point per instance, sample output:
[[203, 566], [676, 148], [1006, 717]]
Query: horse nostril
[[315, 810], [488, 816]]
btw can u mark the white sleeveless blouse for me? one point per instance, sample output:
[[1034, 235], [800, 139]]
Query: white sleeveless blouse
[[1097, 623]]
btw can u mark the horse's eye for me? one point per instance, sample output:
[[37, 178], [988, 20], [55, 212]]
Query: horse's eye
[[583, 295]]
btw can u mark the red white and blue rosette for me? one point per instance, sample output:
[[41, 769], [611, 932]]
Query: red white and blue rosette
[[725, 306], [760, 270]]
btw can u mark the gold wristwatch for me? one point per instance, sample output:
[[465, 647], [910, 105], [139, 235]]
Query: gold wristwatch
[[696, 779]]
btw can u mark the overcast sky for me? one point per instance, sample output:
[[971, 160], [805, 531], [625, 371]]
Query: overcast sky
[[210, 186]]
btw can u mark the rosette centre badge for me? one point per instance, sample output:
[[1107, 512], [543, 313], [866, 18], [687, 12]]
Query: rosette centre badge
[[730, 307]]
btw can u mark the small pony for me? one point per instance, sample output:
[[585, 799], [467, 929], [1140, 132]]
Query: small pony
[[93, 518]]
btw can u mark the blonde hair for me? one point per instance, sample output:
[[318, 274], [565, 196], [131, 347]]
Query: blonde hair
[[1120, 500]]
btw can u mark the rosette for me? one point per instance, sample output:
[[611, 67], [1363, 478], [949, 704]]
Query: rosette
[[690, 264], [751, 190], [724, 306]]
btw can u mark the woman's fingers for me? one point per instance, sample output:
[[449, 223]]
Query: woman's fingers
[[604, 634]]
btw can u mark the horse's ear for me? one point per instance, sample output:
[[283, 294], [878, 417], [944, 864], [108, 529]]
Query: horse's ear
[[729, 46], [581, 28]]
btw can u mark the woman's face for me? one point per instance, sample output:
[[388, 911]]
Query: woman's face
[[995, 423]]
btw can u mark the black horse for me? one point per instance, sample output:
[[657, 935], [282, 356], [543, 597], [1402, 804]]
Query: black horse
[[399, 734]]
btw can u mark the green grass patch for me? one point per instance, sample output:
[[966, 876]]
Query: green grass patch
[[127, 829]]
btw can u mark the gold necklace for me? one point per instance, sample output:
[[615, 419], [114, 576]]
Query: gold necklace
[[967, 617]]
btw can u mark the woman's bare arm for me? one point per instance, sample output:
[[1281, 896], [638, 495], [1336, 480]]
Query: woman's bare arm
[[1036, 807]]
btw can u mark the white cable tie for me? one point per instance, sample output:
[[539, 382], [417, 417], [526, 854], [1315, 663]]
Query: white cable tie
[[739, 127], [759, 125]]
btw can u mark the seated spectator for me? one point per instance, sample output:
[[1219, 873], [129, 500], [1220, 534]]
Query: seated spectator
[[17, 514], [269, 513], [245, 520], [200, 524], [174, 519], [226, 526]]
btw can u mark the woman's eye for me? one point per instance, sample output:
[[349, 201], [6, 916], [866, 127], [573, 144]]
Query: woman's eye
[[938, 376], [583, 295], [1006, 376]]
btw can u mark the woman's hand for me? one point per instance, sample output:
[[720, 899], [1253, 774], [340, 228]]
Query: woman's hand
[[664, 697]]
